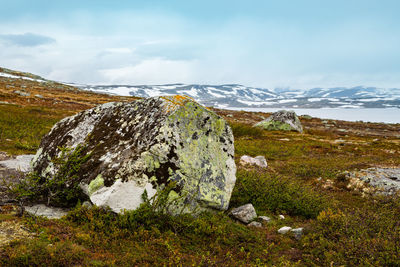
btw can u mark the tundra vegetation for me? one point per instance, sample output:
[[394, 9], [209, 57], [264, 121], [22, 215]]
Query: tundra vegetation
[[342, 228]]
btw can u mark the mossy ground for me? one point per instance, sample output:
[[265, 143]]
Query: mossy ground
[[341, 227]]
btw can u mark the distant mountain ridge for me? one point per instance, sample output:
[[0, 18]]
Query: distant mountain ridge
[[239, 96], [235, 95]]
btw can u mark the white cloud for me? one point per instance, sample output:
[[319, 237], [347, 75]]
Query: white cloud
[[119, 50], [151, 71], [154, 49]]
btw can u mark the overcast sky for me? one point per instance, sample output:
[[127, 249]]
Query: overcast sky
[[285, 43]]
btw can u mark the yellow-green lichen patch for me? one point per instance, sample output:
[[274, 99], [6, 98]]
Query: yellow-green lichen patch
[[205, 152]]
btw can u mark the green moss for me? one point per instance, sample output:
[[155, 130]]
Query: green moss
[[96, 184]]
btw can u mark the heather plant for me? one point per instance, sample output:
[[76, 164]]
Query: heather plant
[[61, 189]]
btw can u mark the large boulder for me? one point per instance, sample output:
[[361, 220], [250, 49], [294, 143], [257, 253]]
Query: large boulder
[[145, 145], [282, 120]]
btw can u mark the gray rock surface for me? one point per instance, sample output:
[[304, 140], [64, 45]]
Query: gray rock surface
[[144, 145], [20, 163], [282, 120], [48, 212], [259, 161], [245, 213], [375, 180]]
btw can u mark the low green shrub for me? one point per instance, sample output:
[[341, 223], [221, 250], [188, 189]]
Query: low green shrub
[[366, 236], [62, 189], [38, 252], [273, 193], [241, 129]]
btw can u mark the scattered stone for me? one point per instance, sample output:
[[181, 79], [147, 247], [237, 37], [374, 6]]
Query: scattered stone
[[39, 96], [45, 211], [298, 233], [21, 93], [144, 145], [20, 163], [245, 213], [281, 217], [282, 120], [259, 161], [230, 115], [284, 230], [4, 103], [255, 224], [385, 181], [339, 141], [284, 139], [265, 219]]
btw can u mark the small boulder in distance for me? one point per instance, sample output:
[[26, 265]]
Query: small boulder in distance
[[282, 120]]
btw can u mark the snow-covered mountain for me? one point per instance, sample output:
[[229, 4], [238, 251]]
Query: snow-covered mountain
[[235, 95], [227, 95], [239, 96]]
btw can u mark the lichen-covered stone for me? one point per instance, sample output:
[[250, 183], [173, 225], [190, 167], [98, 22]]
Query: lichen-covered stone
[[245, 213], [282, 120], [375, 181], [143, 145]]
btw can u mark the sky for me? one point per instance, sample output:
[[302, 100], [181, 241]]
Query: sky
[[295, 44]]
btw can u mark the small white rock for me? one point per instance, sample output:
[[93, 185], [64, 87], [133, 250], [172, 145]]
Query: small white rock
[[281, 217], [259, 161], [284, 230]]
